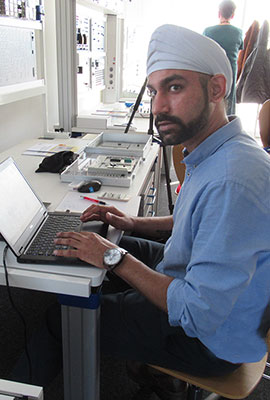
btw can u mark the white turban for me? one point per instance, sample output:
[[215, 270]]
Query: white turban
[[175, 47]]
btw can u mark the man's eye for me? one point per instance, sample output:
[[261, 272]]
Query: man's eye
[[151, 93], [175, 88]]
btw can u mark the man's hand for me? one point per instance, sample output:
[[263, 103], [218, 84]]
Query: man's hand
[[87, 246], [90, 247], [109, 214]]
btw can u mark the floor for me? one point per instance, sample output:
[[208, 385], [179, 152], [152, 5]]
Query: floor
[[115, 384]]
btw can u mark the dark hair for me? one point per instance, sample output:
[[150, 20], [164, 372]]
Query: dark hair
[[227, 8], [204, 79]]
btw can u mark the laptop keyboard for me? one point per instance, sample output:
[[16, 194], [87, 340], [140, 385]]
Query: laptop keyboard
[[43, 244]]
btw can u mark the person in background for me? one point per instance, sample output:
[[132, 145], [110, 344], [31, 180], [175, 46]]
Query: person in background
[[230, 39]]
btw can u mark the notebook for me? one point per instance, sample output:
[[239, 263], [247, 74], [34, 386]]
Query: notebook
[[24, 219]]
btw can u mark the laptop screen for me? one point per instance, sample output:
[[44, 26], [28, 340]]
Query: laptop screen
[[18, 203]]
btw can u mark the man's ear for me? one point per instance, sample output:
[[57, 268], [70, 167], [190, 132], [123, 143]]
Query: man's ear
[[217, 88]]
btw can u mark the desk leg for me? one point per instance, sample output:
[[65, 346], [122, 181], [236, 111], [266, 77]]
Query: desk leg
[[81, 364]]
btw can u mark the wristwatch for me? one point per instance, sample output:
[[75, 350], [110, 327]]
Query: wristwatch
[[113, 257]]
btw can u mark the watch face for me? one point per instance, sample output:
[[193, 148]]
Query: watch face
[[112, 256]]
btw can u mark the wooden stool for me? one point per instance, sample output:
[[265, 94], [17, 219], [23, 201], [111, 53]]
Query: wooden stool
[[236, 385]]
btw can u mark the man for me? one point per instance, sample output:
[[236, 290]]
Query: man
[[197, 302], [230, 38], [200, 309]]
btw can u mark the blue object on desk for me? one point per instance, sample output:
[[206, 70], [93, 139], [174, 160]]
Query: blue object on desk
[[129, 104]]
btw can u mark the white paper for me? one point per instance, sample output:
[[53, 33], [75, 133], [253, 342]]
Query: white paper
[[73, 202], [45, 149]]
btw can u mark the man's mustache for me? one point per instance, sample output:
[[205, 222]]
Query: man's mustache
[[170, 118]]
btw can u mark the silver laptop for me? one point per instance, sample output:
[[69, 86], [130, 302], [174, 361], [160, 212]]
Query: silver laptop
[[26, 225]]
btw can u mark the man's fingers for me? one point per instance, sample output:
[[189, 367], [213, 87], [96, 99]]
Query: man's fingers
[[71, 239], [67, 234], [98, 212], [73, 235], [73, 253]]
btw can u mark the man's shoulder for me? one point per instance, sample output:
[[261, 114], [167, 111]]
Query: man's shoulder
[[242, 150], [222, 29], [241, 160], [210, 29], [237, 31]]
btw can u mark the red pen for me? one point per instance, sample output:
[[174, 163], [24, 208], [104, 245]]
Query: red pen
[[94, 200]]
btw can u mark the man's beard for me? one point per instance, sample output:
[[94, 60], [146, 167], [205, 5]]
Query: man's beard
[[184, 131]]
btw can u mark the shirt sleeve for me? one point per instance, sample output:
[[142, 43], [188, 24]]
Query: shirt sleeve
[[205, 32], [229, 229]]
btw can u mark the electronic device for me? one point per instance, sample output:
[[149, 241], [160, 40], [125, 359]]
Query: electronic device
[[90, 51], [119, 165], [89, 187], [124, 144], [112, 158], [23, 217], [109, 170], [113, 68]]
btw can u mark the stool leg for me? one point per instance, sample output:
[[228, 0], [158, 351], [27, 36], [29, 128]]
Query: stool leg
[[194, 393]]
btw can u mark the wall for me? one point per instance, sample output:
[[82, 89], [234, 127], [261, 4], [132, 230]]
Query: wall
[[26, 119], [21, 120], [50, 65]]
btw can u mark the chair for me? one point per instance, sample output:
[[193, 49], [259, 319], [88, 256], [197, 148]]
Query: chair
[[264, 123], [236, 385]]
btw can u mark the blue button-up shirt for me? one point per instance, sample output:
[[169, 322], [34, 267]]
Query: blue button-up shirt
[[219, 251]]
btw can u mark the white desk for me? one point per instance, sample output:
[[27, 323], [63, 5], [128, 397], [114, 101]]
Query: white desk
[[76, 285]]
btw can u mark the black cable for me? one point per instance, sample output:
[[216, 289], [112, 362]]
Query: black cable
[[136, 105], [19, 315], [151, 121], [168, 179], [156, 139]]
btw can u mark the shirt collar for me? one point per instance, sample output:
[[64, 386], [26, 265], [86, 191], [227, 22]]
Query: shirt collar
[[213, 142]]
